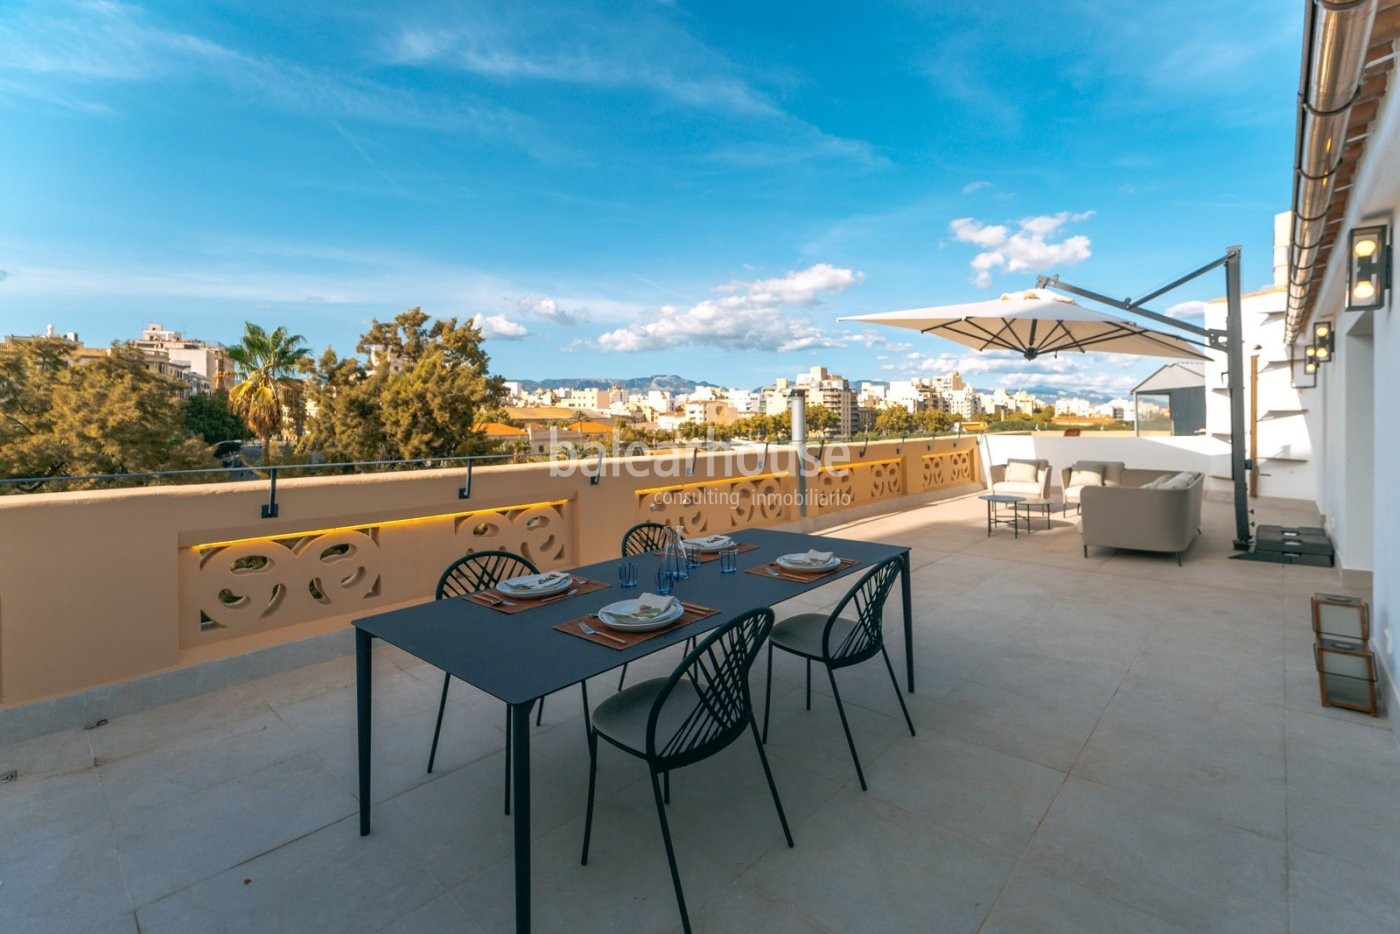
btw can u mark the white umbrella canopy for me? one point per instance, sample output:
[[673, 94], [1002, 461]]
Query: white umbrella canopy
[[1033, 323]]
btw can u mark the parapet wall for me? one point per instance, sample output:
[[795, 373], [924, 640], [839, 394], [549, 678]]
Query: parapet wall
[[98, 588]]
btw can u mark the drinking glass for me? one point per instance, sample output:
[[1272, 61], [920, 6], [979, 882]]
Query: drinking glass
[[692, 556], [664, 580], [627, 573], [729, 559]]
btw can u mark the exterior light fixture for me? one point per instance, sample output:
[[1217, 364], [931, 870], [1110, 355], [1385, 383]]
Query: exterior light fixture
[[1368, 269], [1310, 360], [1323, 341]]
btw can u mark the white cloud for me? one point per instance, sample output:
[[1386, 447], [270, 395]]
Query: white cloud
[[748, 317], [970, 187], [1029, 247], [499, 327], [72, 53], [618, 53], [796, 288], [548, 309], [871, 340], [1193, 311]]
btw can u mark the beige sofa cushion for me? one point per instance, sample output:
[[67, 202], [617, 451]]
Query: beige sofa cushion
[[1023, 471], [1178, 481], [1086, 473]]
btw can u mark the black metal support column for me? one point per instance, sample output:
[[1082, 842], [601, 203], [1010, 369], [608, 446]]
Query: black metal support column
[[520, 748], [908, 621], [363, 643], [1234, 336]]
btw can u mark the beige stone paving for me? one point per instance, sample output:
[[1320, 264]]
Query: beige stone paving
[[1107, 743]]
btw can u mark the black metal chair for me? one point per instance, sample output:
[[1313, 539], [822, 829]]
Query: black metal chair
[[838, 642], [676, 721], [644, 538], [467, 575]]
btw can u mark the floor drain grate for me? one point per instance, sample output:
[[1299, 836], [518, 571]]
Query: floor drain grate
[[7, 777]]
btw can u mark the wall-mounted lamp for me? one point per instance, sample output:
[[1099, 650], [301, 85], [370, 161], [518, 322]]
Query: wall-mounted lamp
[[1368, 270], [1321, 350], [1324, 340]]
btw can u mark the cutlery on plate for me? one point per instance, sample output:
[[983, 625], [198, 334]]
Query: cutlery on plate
[[588, 630]]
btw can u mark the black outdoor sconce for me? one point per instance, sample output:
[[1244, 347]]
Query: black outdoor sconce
[[1368, 269], [1322, 348]]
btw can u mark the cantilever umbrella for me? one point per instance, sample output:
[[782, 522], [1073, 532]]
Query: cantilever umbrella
[[1033, 323]]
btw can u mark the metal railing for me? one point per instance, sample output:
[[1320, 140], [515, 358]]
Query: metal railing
[[247, 472]]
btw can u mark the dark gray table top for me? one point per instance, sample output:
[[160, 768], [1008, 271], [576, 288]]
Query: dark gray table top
[[519, 657]]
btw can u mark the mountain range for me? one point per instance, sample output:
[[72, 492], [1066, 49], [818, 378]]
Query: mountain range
[[679, 384], [671, 382]]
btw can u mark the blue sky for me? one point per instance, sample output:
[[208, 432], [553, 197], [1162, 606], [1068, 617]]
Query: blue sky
[[624, 189]]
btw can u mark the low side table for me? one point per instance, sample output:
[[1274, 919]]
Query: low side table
[[994, 516], [1028, 503]]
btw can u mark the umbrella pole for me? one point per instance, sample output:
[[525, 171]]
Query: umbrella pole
[[1234, 347]]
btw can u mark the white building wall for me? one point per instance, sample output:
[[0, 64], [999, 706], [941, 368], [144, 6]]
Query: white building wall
[[1361, 447]]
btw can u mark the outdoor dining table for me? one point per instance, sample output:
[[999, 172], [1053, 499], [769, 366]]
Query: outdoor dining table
[[521, 657]]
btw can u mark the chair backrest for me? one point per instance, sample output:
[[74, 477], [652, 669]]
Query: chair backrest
[[845, 643], [481, 569], [644, 537], [716, 672]]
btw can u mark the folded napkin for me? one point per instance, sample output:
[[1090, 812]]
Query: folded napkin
[[818, 557], [652, 605], [712, 541], [540, 580]]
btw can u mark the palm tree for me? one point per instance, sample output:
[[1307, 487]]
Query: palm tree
[[265, 363]]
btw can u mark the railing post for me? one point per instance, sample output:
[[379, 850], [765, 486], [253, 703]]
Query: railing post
[[269, 510], [466, 491]]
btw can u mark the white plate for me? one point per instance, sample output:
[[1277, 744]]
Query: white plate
[[622, 616], [711, 543], [800, 562], [530, 586]]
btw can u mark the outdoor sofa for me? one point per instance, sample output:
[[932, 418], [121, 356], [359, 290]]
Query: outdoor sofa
[[1148, 510]]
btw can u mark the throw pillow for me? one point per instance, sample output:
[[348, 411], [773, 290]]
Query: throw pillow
[[1085, 473], [1021, 471], [1178, 481]]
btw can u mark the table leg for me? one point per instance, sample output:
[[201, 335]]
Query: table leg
[[908, 622], [363, 643], [990, 504], [520, 749]]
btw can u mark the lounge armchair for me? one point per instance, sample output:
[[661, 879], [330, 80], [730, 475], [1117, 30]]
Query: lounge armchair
[[1022, 477], [1076, 477]]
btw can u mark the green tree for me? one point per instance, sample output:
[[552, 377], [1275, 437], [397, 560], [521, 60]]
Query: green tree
[[415, 396], [821, 419], [60, 417], [209, 417], [932, 421], [895, 420], [266, 363]]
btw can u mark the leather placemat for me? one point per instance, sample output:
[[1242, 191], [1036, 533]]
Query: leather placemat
[[509, 603], [708, 556], [616, 639], [773, 569]]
